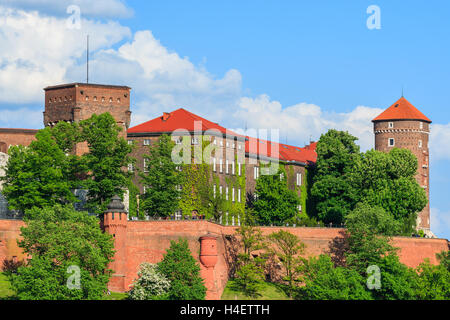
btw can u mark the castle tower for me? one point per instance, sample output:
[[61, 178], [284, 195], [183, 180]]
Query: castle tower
[[114, 221], [79, 101], [403, 126]]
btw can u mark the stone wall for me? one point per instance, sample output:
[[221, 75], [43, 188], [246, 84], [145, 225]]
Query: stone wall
[[147, 241]]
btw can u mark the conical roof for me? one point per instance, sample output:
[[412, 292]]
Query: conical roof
[[402, 109]]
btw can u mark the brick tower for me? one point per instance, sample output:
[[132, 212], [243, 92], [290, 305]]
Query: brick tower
[[79, 101], [403, 126]]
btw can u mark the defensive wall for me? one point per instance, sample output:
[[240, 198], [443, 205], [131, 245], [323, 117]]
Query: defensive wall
[[213, 245]]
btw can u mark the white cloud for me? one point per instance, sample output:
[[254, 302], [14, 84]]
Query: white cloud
[[37, 51], [439, 137], [303, 120], [440, 223], [88, 8], [21, 118]]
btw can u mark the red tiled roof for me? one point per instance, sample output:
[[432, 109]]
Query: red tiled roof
[[183, 119], [285, 152], [178, 119], [402, 109]]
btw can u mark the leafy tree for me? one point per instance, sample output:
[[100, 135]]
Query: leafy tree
[[161, 180], [287, 250], [107, 157], [248, 278], [433, 282], [183, 272], [444, 259], [397, 280], [323, 281], [38, 175], [150, 285], [275, 203], [387, 180], [369, 230], [332, 193], [61, 240]]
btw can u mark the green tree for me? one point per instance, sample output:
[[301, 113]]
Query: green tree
[[249, 278], [38, 175], [323, 281], [369, 232], [161, 179], [183, 272], [62, 241], [288, 250], [387, 180], [275, 202], [150, 284], [433, 282], [107, 157], [332, 194]]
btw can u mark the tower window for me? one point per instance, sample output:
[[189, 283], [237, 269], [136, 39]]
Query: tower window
[[420, 143], [391, 124], [391, 142], [421, 125], [110, 99], [95, 98]]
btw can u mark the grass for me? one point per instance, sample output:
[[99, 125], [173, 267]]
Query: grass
[[268, 291], [7, 293]]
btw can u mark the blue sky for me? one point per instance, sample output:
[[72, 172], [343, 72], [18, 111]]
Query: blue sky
[[298, 66]]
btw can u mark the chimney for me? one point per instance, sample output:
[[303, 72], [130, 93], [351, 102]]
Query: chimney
[[165, 116]]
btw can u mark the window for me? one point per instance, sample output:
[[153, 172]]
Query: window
[[130, 167], [178, 168], [281, 176], [239, 195], [194, 140], [215, 141], [239, 147], [145, 165], [226, 193], [178, 215], [214, 164], [220, 166], [146, 142], [299, 179], [421, 125], [103, 99], [233, 145], [232, 168], [118, 100], [255, 172], [239, 169], [178, 187], [130, 141], [391, 125], [95, 98], [214, 190], [145, 189], [228, 144], [87, 98], [221, 143], [391, 142], [232, 195], [110, 100], [420, 143], [220, 189], [179, 140], [299, 207], [226, 166]]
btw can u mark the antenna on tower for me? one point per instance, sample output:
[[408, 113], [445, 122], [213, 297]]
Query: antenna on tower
[[402, 91], [87, 59]]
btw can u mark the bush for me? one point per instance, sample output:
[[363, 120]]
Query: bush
[[183, 272], [150, 285], [249, 278], [10, 266]]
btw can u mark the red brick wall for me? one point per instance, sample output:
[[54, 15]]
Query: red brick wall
[[147, 241], [12, 137]]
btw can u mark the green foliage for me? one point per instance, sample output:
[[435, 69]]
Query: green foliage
[[444, 259], [183, 272], [37, 175], [368, 239], [266, 291], [150, 285], [433, 282], [332, 193], [249, 278], [108, 155], [323, 281], [58, 238], [275, 203], [288, 250], [397, 280], [161, 180]]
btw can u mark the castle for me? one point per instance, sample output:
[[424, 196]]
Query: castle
[[401, 125]]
